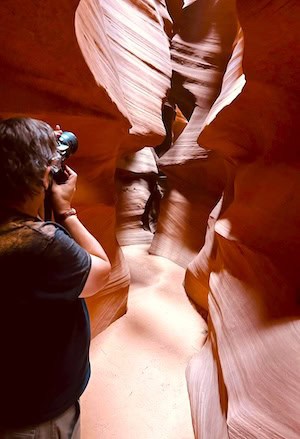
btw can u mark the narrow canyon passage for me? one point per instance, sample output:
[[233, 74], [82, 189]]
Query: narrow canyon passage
[[138, 387], [187, 116]]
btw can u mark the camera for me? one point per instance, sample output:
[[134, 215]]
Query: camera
[[67, 144]]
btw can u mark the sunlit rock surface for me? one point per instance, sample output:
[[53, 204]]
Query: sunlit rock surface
[[131, 34], [252, 275], [137, 195], [205, 35], [197, 274], [116, 72]]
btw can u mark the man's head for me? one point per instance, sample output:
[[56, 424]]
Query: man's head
[[27, 147]]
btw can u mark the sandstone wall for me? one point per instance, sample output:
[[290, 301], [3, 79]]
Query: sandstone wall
[[247, 269], [221, 79]]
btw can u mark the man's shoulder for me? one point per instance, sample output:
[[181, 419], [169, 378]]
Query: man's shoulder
[[46, 233], [26, 235], [47, 230]]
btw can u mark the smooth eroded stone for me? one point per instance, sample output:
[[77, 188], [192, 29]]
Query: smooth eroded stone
[[253, 280]]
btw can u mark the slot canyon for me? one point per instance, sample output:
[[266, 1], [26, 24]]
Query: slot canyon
[[189, 175]]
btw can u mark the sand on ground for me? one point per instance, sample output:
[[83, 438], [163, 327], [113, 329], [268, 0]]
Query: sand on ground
[[138, 388]]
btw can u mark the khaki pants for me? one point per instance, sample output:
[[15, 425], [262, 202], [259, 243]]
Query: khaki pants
[[65, 426]]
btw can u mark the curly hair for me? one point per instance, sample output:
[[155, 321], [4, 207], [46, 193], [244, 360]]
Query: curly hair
[[26, 149]]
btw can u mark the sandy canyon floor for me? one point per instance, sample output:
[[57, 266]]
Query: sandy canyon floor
[[138, 388]]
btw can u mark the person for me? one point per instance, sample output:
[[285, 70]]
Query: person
[[46, 271]]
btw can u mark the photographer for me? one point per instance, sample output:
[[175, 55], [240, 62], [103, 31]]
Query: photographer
[[46, 271]]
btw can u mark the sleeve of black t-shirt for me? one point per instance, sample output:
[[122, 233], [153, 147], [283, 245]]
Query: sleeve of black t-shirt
[[65, 269]]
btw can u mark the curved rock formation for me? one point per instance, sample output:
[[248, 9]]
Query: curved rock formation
[[138, 195], [121, 74], [127, 50], [251, 275], [197, 274], [202, 45]]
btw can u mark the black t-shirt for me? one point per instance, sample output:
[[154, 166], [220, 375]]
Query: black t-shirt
[[44, 326]]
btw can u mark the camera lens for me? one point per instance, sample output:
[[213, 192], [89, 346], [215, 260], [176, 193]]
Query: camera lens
[[67, 144]]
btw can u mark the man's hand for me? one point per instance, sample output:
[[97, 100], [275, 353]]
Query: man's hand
[[58, 131], [62, 194]]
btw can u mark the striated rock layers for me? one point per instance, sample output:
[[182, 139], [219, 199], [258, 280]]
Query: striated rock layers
[[245, 382], [205, 34], [121, 74]]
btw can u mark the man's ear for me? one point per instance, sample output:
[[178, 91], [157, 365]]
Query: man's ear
[[47, 179]]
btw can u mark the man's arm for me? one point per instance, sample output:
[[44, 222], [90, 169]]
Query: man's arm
[[62, 195], [100, 267]]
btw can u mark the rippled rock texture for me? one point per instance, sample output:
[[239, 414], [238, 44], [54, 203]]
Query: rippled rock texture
[[213, 86], [246, 274]]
